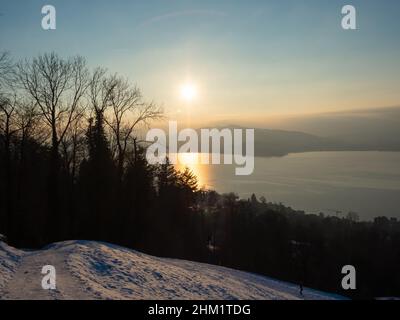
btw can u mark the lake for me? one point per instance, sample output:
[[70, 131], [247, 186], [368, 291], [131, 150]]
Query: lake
[[330, 182]]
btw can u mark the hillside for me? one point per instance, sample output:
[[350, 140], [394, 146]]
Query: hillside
[[93, 270]]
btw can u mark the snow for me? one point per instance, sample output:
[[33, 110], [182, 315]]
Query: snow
[[9, 259], [94, 270]]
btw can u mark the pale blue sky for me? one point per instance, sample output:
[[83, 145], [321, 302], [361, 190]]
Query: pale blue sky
[[248, 58]]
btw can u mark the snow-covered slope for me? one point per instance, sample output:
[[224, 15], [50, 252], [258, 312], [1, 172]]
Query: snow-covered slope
[[93, 270], [9, 258]]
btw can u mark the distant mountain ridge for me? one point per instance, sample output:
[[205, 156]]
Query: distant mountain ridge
[[358, 130], [269, 142], [376, 129], [277, 143]]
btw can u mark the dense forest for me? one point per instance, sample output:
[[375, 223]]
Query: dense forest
[[73, 166]]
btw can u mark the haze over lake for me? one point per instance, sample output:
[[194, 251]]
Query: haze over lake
[[330, 182]]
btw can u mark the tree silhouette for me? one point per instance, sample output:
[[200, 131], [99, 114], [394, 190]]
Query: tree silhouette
[[80, 128], [57, 86]]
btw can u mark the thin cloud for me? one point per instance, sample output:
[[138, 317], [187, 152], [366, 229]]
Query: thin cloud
[[178, 14]]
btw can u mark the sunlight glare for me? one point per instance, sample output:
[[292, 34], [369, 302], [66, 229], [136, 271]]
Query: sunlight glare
[[188, 92]]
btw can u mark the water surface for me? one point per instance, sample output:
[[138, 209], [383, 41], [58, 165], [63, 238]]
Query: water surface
[[332, 182]]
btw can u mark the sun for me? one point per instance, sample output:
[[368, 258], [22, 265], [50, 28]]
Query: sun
[[188, 92]]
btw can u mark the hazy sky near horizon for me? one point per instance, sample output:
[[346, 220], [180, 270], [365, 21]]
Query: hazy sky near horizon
[[248, 59]]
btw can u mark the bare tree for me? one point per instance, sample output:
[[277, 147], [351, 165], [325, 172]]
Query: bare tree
[[27, 119], [16, 111], [4, 62], [7, 132], [7, 106], [8, 127], [100, 89], [8, 101], [29, 124], [128, 111], [57, 86], [73, 146], [6, 68]]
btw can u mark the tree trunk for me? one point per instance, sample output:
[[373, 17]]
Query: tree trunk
[[53, 220]]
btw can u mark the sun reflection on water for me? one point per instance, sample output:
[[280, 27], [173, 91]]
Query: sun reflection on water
[[192, 161]]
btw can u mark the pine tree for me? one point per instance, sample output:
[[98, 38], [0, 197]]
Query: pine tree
[[97, 183]]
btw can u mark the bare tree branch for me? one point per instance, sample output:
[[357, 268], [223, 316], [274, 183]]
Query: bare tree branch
[[57, 86], [128, 111]]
